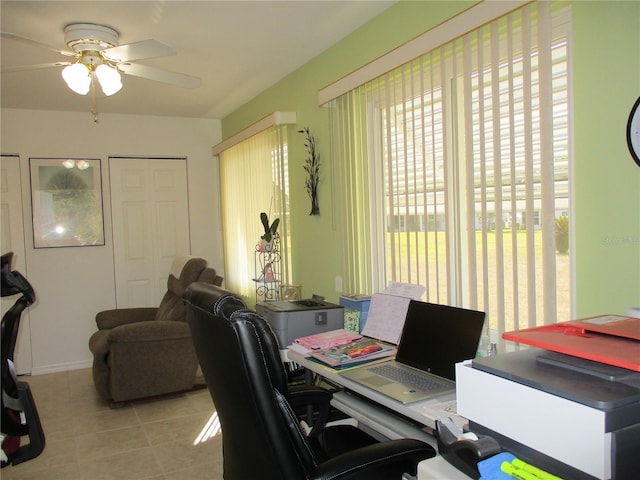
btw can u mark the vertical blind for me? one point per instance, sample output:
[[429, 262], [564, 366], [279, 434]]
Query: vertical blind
[[253, 179], [454, 171]]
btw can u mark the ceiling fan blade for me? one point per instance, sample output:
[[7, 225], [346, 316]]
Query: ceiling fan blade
[[138, 51], [165, 76], [20, 38], [21, 68]]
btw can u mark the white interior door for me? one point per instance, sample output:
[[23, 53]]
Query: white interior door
[[12, 240], [150, 211]]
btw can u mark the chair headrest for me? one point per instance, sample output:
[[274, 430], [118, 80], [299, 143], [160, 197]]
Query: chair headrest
[[184, 271], [210, 275], [214, 299], [179, 263]]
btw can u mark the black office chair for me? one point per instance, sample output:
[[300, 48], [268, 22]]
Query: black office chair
[[262, 438], [19, 413]]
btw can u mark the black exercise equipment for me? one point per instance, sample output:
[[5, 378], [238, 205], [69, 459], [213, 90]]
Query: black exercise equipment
[[19, 414]]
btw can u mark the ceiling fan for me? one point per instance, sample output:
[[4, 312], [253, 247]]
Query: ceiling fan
[[97, 55]]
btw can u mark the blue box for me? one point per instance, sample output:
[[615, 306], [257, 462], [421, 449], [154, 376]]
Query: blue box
[[356, 310]]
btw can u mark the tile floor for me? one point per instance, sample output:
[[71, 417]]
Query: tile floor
[[86, 440]]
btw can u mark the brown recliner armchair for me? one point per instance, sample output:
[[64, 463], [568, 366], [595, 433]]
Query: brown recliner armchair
[[147, 351]]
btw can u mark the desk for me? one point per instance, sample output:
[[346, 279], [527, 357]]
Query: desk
[[437, 468], [374, 411]]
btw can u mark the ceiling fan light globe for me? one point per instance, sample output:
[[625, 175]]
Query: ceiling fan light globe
[[109, 79], [77, 77]]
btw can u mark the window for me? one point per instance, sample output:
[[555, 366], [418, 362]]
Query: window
[[455, 169], [254, 178]]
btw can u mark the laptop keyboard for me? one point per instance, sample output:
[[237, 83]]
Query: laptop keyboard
[[413, 380]]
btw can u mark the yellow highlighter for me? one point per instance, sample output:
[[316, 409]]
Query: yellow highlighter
[[541, 474], [518, 473]]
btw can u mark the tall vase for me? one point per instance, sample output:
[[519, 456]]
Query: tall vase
[[315, 208]]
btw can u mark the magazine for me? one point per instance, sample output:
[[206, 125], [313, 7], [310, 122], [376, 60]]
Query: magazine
[[357, 351], [328, 339]]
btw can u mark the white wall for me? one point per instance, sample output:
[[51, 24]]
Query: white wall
[[73, 284]]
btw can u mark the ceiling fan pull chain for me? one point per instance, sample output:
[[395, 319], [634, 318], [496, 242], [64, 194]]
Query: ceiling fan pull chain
[[94, 110]]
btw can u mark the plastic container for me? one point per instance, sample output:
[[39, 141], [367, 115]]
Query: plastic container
[[356, 310]]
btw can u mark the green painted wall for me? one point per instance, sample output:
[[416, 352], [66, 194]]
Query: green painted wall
[[607, 182], [606, 50]]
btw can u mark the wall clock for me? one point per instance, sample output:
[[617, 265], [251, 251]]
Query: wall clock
[[633, 131]]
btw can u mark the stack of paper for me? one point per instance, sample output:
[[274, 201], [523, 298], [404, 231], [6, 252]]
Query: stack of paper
[[385, 321], [332, 338], [319, 341]]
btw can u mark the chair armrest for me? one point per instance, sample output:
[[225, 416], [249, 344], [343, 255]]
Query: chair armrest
[[149, 332], [302, 396], [113, 318], [395, 454]]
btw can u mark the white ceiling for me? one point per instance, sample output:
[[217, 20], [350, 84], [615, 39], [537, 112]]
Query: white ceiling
[[237, 48]]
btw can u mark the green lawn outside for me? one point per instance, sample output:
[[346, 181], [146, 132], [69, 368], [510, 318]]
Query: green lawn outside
[[501, 306]]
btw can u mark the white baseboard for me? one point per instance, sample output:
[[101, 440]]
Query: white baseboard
[[61, 367]]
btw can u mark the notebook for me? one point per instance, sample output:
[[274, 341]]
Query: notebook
[[434, 338]]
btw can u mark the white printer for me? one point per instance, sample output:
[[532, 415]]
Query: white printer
[[300, 318], [573, 417]]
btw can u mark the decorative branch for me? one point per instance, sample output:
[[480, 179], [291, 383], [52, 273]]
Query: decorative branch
[[312, 167]]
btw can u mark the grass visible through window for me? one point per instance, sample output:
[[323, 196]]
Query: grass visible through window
[[436, 281]]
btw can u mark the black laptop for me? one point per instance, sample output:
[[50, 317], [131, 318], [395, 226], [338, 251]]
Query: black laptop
[[434, 338]]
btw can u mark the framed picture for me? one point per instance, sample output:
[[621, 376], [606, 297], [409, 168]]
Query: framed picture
[[66, 202]]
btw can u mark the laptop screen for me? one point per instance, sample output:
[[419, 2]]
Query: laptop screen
[[436, 337]]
